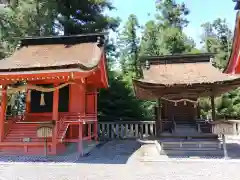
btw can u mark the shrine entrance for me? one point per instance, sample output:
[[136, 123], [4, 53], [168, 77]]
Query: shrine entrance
[[63, 103], [182, 112]]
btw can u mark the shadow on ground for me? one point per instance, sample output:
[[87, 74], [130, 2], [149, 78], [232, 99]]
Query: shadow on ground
[[111, 152]]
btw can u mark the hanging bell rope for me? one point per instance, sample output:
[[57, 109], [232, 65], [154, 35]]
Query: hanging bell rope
[[42, 100]]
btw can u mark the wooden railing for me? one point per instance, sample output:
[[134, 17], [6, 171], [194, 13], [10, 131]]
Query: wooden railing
[[126, 129], [7, 126], [203, 126]]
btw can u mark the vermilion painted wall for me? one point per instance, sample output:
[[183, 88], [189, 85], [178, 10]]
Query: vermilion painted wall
[[82, 102], [76, 99]]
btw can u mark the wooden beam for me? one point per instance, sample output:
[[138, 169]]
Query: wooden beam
[[3, 111]]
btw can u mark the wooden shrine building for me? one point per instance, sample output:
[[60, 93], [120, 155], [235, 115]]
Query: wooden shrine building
[[61, 77], [177, 82]]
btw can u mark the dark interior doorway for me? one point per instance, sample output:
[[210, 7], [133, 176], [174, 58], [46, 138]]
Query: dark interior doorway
[[48, 97]]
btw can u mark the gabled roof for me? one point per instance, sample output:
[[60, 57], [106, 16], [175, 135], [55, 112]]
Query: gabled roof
[[44, 53], [58, 58], [184, 72], [233, 66]]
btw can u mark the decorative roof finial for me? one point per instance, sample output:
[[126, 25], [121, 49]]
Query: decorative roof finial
[[237, 7]]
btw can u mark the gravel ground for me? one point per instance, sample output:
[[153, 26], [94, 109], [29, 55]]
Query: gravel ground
[[120, 160]]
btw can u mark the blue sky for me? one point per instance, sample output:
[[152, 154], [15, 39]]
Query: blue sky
[[200, 11]]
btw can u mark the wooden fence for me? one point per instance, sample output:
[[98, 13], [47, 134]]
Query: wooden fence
[[126, 129]]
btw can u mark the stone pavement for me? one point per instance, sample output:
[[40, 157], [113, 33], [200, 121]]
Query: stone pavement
[[122, 160]]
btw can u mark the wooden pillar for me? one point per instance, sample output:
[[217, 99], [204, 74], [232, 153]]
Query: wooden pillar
[[28, 101], [3, 112], [82, 110], [80, 139], [213, 108], [82, 129], [89, 125], [95, 124], [224, 146], [159, 118], [55, 116]]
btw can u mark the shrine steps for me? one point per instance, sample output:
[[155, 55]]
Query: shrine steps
[[193, 147], [30, 149], [22, 139]]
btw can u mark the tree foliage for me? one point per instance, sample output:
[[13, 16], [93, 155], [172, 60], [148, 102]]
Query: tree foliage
[[165, 35], [217, 38], [129, 46]]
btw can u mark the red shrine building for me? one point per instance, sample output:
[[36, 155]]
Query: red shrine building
[[233, 66], [61, 77]]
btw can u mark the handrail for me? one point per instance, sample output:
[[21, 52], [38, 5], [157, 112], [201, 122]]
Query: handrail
[[35, 122], [60, 124], [64, 133], [127, 122]]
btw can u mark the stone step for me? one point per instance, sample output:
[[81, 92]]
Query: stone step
[[192, 152], [190, 146]]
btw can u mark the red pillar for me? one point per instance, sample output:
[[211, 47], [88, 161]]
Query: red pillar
[[82, 126], [95, 124], [55, 116], [80, 141], [83, 107], [3, 112], [28, 101], [89, 130]]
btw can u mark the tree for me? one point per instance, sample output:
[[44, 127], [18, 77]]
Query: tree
[[217, 38], [151, 39], [129, 47], [42, 17], [21, 18], [119, 103], [165, 35], [171, 14], [85, 16]]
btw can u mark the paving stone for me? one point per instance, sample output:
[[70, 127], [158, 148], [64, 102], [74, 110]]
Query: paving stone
[[119, 160]]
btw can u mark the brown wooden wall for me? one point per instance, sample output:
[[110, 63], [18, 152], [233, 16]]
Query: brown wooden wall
[[180, 112]]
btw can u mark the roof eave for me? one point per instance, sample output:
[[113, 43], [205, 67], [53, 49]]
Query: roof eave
[[191, 57]]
